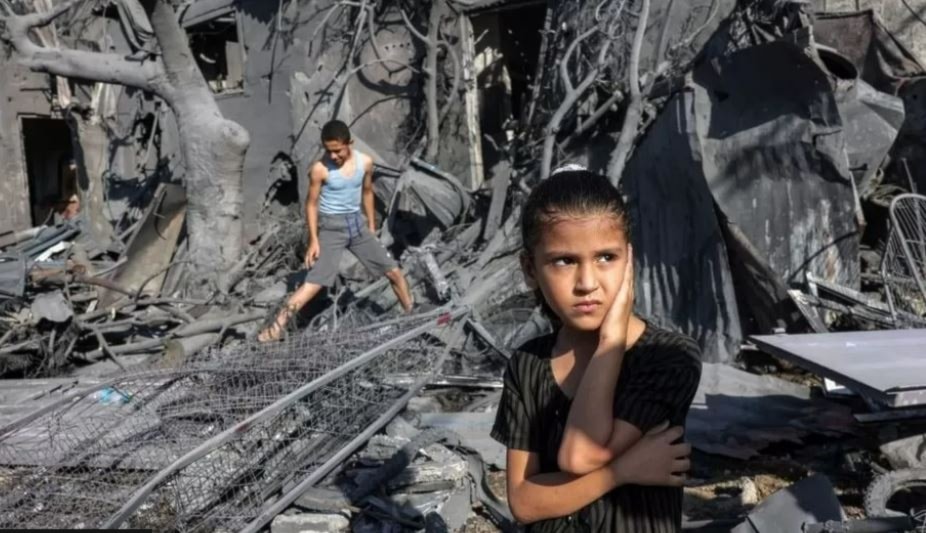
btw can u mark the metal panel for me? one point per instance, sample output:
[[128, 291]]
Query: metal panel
[[888, 366]]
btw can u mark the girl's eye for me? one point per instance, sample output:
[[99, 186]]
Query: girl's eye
[[606, 258], [563, 261]]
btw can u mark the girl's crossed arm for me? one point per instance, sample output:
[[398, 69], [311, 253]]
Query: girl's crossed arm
[[535, 496]]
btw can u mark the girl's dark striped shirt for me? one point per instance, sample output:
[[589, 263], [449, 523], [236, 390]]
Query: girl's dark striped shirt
[[658, 380]]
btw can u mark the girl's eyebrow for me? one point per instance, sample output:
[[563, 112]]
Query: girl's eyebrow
[[615, 250], [559, 253]]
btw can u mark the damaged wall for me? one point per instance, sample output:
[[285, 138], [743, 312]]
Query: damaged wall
[[288, 80], [22, 94], [906, 19]]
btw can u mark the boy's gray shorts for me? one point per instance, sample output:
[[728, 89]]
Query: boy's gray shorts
[[337, 233]]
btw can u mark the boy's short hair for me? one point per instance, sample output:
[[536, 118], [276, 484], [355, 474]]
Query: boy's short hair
[[336, 131]]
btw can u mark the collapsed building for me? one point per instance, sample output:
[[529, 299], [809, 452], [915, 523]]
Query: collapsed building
[[786, 204]]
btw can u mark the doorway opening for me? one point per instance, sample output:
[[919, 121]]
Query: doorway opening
[[49, 165], [508, 41]]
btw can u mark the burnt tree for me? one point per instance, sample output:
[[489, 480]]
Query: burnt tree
[[213, 147]]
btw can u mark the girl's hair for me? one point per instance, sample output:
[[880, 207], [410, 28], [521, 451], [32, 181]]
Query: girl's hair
[[570, 193]]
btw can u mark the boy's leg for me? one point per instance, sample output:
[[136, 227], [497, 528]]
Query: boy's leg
[[332, 239], [297, 301], [374, 256], [400, 288]]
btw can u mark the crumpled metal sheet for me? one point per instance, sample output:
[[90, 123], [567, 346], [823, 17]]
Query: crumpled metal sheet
[[431, 193], [872, 121], [773, 148], [683, 276], [756, 194], [881, 59], [888, 66]]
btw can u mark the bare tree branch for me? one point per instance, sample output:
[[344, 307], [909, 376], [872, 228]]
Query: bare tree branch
[[635, 107], [430, 69], [433, 44], [715, 8], [361, 18], [664, 34], [590, 122], [573, 95], [538, 73], [147, 75], [564, 64], [457, 79]]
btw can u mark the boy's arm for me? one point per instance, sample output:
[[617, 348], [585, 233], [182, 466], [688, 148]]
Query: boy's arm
[[317, 175], [654, 461], [369, 199]]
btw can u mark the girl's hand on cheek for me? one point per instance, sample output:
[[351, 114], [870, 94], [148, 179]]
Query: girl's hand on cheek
[[613, 332]]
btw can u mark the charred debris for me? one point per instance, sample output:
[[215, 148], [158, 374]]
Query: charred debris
[[770, 152]]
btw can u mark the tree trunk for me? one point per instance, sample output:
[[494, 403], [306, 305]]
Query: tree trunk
[[91, 150], [213, 147]]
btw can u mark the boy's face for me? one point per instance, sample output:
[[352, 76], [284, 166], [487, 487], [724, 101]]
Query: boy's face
[[578, 264], [338, 151]]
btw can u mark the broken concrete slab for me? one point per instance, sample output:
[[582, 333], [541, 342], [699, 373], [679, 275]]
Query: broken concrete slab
[[151, 248], [424, 472], [324, 500], [810, 501], [909, 452], [51, 306], [473, 429], [310, 523]]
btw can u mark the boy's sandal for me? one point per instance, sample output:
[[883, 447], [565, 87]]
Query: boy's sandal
[[274, 333]]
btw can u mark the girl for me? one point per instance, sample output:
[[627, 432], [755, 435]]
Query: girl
[[591, 414]]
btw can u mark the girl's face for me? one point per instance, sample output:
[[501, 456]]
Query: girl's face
[[578, 265]]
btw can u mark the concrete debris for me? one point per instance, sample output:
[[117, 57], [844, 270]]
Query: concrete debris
[[310, 523], [473, 429], [908, 452], [787, 206], [51, 306], [810, 501]]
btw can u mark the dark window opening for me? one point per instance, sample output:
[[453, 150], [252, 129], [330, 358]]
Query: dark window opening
[[217, 49], [507, 49], [49, 165]]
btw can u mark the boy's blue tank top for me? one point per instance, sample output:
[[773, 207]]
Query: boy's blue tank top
[[341, 194]]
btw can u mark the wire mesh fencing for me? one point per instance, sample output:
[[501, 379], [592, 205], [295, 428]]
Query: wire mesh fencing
[[903, 266], [208, 446]]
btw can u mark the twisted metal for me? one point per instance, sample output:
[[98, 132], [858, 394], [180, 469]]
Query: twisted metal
[[903, 267], [209, 446]]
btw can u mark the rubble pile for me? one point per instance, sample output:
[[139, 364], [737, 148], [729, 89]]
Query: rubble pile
[[766, 157]]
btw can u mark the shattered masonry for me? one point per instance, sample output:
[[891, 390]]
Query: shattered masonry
[[775, 181]]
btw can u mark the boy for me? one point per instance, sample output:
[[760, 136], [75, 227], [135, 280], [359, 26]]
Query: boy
[[340, 184]]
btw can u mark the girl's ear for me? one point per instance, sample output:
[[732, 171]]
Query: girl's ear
[[527, 267]]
